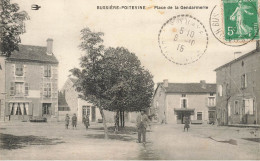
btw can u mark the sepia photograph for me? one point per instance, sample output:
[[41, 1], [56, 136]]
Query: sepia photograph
[[129, 80]]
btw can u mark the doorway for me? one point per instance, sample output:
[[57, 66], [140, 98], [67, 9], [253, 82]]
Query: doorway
[[46, 109]]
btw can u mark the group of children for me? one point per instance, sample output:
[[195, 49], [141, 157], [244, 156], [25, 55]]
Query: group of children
[[74, 121]]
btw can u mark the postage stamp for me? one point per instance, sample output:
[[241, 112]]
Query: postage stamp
[[217, 28], [240, 19], [183, 39]]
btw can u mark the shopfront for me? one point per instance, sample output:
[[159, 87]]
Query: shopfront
[[181, 113], [19, 110]]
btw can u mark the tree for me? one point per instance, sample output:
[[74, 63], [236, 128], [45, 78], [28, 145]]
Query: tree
[[12, 26], [111, 79], [88, 78], [129, 85]]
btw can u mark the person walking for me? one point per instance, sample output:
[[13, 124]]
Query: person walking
[[142, 123], [74, 121], [67, 121], [86, 121], [186, 123]]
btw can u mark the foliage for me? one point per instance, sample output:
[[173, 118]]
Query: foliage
[[129, 87], [113, 77], [12, 26]]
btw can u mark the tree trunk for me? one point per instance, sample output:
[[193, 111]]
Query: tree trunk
[[120, 117], [117, 121], [104, 122], [123, 114]]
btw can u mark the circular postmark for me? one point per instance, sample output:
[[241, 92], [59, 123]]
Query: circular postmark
[[183, 39], [224, 25]]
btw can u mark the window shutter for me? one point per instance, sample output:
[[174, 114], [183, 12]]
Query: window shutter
[[24, 69], [26, 89], [12, 89], [45, 90], [245, 80], [7, 109], [45, 71], [49, 71], [49, 89], [54, 90], [206, 101]]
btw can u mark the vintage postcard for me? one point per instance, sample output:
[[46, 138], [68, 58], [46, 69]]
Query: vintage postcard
[[129, 80]]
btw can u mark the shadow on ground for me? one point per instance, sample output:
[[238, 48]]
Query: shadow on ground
[[111, 136], [253, 139], [10, 142], [230, 141], [125, 130]]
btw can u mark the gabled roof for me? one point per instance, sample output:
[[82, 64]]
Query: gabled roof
[[62, 100], [189, 88], [73, 80], [239, 58], [34, 54]]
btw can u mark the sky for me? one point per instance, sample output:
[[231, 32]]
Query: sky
[[136, 30]]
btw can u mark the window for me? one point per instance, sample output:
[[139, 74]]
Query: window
[[220, 90], [47, 71], [243, 81], [26, 86], [12, 89], [88, 110], [84, 112], [211, 94], [19, 70], [236, 107], [183, 95], [47, 90], [183, 103], [211, 101], [248, 106], [199, 115], [0, 67], [46, 108], [19, 88]]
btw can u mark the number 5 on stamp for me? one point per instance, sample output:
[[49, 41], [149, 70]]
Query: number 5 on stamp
[[241, 19]]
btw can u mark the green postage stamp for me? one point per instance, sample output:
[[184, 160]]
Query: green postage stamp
[[241, 19]]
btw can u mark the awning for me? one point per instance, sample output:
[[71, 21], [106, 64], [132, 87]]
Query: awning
[[184, 110]]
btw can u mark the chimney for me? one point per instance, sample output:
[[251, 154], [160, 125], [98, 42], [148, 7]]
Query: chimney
[[237, 54], [49, 46], [165, 83], [203, 84], [258, 45]]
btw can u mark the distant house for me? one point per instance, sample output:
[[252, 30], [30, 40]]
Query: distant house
[[238, 94], [173, 101], [28, 83], [71, 103]]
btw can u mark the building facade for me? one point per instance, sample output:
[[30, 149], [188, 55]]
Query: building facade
[[30, 83], [173, 101], [238, 90], [72, 104], [78, 106]]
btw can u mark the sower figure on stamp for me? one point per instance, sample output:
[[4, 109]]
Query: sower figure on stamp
[[238, 16], [74, 121], [186, 123], [142, 123], [67, 121]]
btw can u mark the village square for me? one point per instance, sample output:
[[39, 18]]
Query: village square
[[110, 102]]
